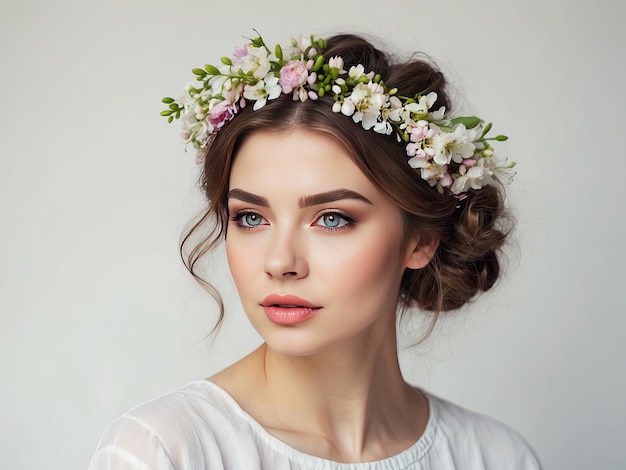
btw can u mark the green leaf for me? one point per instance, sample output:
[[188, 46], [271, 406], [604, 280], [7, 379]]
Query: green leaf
[[226, 61], [167, 112], [469, 121], [199, 72], [168, 100], [211, 69], [174, 106], [170, 119], [501, 138]]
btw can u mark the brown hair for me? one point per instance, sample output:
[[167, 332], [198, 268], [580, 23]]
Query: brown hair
[[470, 231]]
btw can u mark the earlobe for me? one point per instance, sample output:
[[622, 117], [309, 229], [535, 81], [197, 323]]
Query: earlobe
[[421, 251]]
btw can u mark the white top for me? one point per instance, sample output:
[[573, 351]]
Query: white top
[[201, 427]]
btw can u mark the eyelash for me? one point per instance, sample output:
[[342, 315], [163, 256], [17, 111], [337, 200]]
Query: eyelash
[[239, 217]]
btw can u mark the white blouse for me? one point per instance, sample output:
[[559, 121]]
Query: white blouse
[[201, 427]]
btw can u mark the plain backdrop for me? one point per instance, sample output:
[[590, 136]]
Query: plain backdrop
[[98, 313]]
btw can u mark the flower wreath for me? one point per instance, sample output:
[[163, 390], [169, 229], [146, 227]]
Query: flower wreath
[[452, 154]]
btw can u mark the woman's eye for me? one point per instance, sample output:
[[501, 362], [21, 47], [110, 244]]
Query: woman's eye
[[249, 219], [333, 220]]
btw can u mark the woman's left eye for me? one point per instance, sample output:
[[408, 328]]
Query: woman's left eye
[[333, 220]]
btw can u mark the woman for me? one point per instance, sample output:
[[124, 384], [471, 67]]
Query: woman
[[333, 225]]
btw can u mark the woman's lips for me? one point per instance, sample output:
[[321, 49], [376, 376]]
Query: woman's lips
[[288, 309]]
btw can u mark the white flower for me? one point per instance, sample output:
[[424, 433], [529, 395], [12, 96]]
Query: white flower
[[368, 101], [454, 146], [390, 111], [263, 90], [356, 71], [300, 94], [304, 42], [414, 112], [256, 61], [418, 160], [347, 108], [411, 114], [501, 169], [435, 175], [437, 115], [475, 177], [336, 62]]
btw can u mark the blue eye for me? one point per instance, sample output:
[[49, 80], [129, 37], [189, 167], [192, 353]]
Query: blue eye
[[333, 220], [248, 219], [251, 219]]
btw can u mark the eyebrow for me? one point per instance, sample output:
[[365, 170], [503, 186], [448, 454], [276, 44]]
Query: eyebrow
[[245, 196], [330, 196], [306, 201]]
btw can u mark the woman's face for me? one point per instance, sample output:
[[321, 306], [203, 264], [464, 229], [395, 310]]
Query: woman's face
[[315, 249]]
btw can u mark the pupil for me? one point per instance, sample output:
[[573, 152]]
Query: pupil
[[252, 219]]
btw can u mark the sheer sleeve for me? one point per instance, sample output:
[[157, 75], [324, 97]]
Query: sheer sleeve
[[130, 444]]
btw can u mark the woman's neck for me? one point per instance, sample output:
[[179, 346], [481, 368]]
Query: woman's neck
[[348, 403]]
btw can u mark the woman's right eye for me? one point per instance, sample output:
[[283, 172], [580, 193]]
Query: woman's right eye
[[248, 219]]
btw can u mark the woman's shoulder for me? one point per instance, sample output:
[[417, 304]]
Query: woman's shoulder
[[475, 437], [193, 420], [197, 398]]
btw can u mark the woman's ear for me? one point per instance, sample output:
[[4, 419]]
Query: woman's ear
[[421, 249]]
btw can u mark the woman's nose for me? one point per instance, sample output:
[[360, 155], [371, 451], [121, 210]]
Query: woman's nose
[[286, 257]]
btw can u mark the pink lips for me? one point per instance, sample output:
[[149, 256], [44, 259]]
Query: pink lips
[[288, 309]]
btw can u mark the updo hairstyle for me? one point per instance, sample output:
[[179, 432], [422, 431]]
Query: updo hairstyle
[[471, 230]]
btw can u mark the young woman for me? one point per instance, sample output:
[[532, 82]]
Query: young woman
[[346, 195]]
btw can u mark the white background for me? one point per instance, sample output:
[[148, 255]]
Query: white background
[[98, 313]]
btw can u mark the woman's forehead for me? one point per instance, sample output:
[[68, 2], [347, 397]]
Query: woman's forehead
[[311, 160]]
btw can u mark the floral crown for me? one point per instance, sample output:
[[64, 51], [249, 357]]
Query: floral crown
[[452, 154]]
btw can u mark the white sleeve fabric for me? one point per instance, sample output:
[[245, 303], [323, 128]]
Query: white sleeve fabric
[[130, 444], [466, 439]]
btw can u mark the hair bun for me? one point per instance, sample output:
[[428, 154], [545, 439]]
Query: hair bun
[[466, 261]]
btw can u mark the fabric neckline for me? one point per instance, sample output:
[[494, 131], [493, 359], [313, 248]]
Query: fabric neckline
[[410, 455]]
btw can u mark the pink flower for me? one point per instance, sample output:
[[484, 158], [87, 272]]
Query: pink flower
[[292, 75], [232, 91], [421, 131], [240, 53], [414, 150], [219, 115], [446, 180]]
